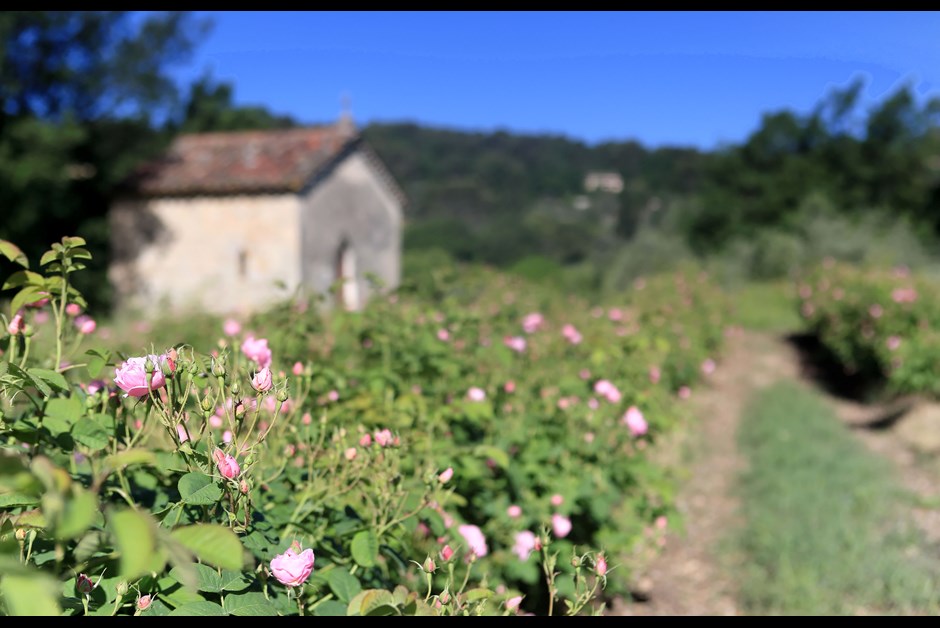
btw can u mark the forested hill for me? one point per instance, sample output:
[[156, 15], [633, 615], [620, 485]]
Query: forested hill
[[449, 173]]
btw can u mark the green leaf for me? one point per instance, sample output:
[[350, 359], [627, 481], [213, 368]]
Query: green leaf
[[54, 379], [13, 253], [23, 278], [198, 609], [97, 360], [369, 600], [207, 578], [72, 241], [249, 605], [78, 515], [365, 548], [478, 594], [88, 433], [136, 541], [8, 500], [343, 584], [48, 256], [61, 414], [128, 457], [330, 608], [30, 595], [198, 489], [79, 253], [28, 294], [29, 380], [213, 544]]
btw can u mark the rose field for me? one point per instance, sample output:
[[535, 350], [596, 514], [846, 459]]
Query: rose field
[[479, 446]]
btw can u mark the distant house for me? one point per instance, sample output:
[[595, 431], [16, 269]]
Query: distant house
[[610, 182], [220, 219]]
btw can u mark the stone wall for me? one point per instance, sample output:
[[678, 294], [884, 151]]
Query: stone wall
[[220, 254], [351, 205]]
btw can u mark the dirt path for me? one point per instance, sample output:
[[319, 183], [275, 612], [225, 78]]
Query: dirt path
[[691, 577], [692, 574]]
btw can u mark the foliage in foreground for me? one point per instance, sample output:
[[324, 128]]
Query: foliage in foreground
[[475, 448]]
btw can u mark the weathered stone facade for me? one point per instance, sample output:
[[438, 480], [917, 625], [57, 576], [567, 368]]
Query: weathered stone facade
[[238, 250]]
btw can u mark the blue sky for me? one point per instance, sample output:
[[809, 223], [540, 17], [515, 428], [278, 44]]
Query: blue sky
[[664, 78]]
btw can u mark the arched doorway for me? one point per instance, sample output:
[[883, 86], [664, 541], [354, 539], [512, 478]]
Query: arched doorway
[[346, 274]]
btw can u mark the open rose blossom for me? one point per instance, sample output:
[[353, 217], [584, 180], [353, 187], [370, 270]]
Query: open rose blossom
[[476, 394], [231, 327], [257, 350], [475, 539], [262, 380], [293, 567], [516, 343], [226, 464], [525, 543], [85, 324], [634, 420], [132, 377], [561, 525], [532, 322]]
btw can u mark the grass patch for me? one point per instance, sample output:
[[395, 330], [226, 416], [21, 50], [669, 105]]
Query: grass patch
[[825, 530], [767, 306]]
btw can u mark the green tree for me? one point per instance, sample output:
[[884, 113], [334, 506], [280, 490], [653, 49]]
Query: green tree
[[82, 98]]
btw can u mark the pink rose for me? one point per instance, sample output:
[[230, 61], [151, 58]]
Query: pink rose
[[510, 387], [475, 539], [227, 437], [532, 322], [144, 602], [215, 421], [446, 475], [181, 432], [893, 342], [231, 327], [514, 511], [226, 464], [333, 395], [615, 314], [17, 324], [516, 343], [73, 309], [600, 565], [875, 311], [447, 553], [685, 392], [557, 500], [365, 441], [525, 543], [383, 437], [262, 380], [257, 350], [350, 453], [513, 603], [708, 366], [571, 334], [635, 421], [298, 369], [132, 377], [292, 568], [443, 335], [655, 374], [561, 525], [476, 394]]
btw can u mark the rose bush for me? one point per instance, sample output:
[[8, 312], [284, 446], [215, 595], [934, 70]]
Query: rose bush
[[414, 469]]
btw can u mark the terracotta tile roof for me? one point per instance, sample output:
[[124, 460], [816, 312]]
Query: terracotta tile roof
[[281, 160]]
